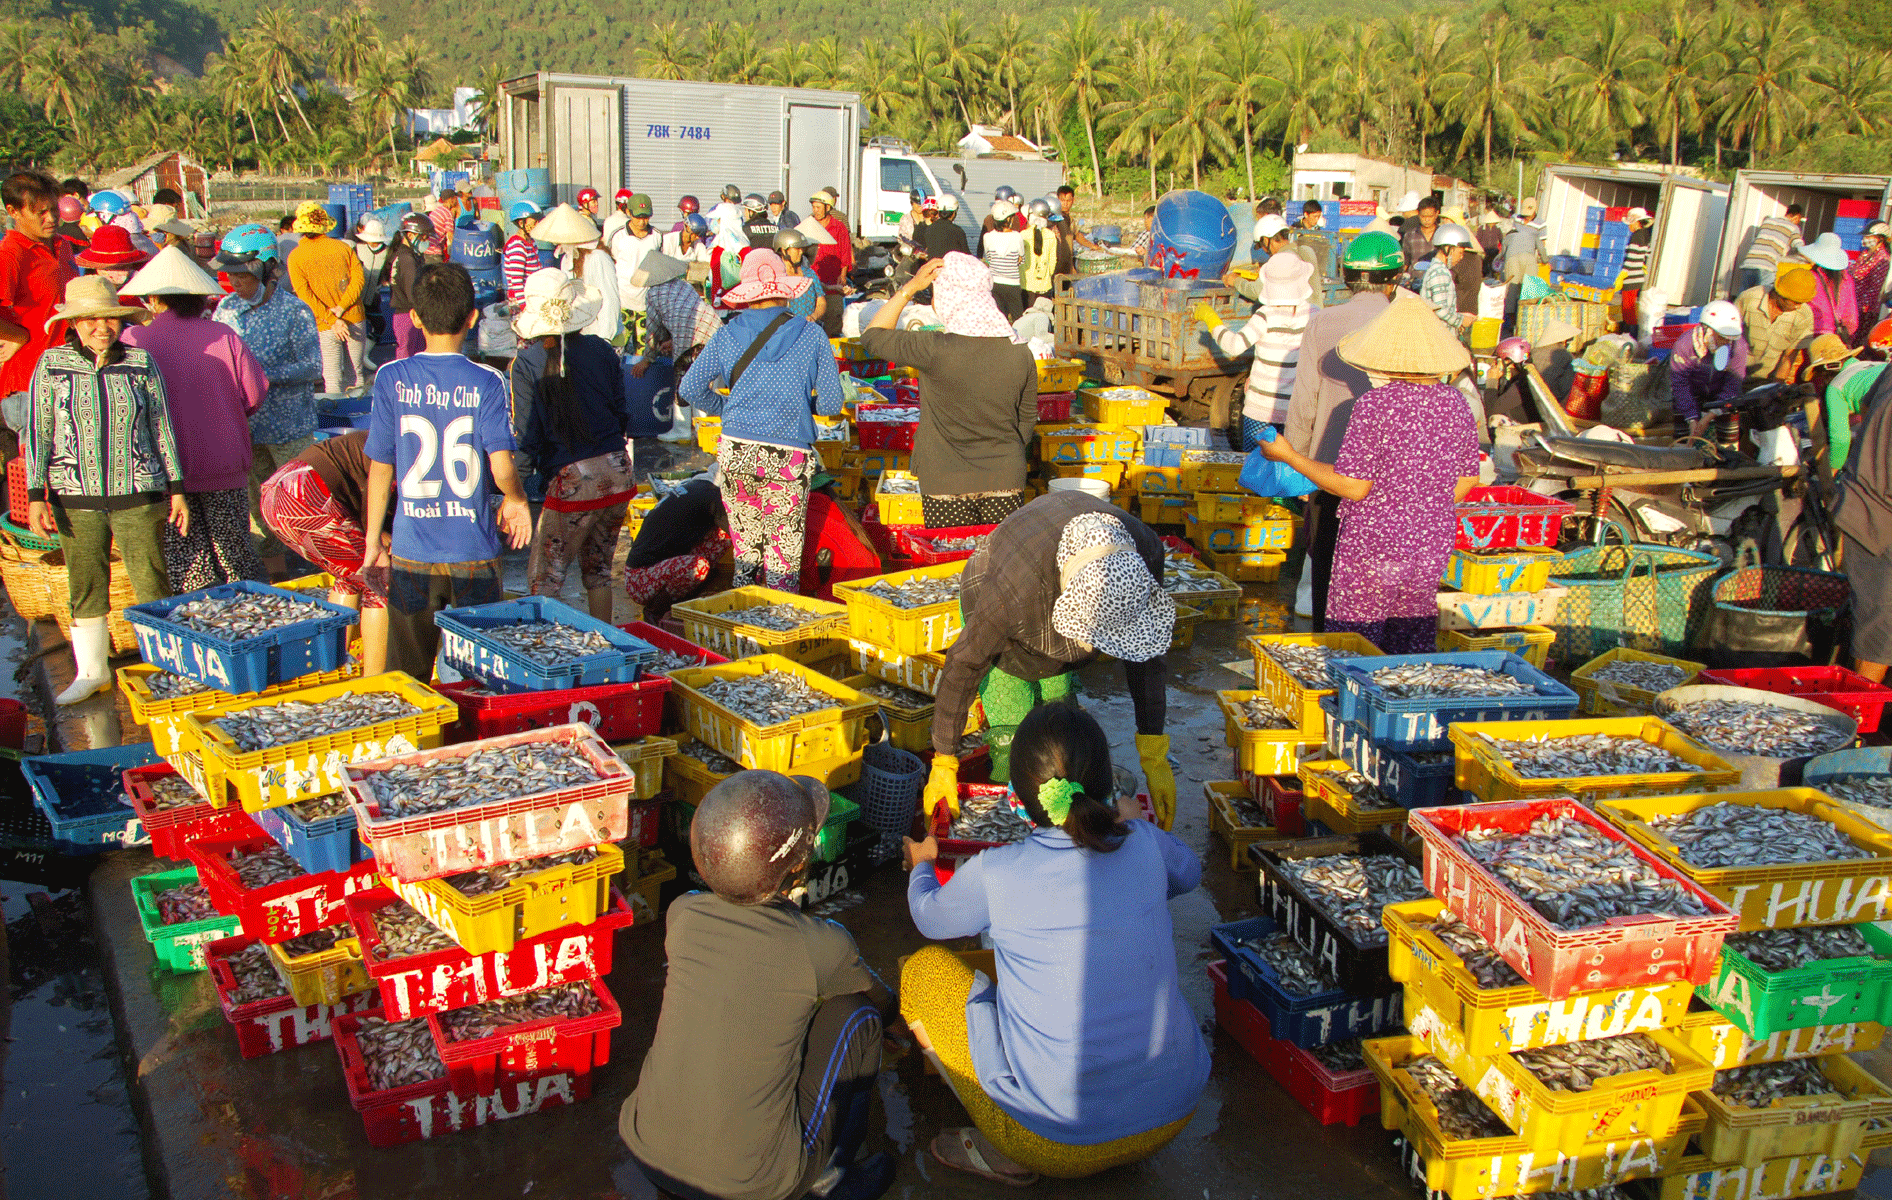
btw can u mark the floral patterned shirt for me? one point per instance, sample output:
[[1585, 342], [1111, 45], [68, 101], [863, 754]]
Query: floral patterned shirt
[[280, 331], [100, 437]]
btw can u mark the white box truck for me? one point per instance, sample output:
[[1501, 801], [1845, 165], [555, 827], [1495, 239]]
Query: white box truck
[[1757, 195], [974, 180], [671, 138], [1688, 216]]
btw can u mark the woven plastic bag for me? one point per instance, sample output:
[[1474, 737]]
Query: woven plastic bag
[[1643, 596]]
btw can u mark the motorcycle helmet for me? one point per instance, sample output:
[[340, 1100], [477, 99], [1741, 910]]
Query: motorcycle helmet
[[70, 208], [1881, 336], [697, 224], [1040, 207], [1374, 251], [1448, 234], [108, 203], [589, 193], [522, 209], [753, 831], [731, 193], [1004, 192], [790, 239], [417, 225], [1515, 350], [754, 203], [1723, 318], [689, 204]]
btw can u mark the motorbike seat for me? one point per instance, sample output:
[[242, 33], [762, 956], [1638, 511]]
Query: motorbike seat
[[1591, 452]]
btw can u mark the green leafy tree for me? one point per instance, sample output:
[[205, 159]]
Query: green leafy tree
[[1244, 83], [1687, 64], [1195, 129], [1423, 46], [1493, 92], [1077, 67], [1602, 88], [1765, 102]]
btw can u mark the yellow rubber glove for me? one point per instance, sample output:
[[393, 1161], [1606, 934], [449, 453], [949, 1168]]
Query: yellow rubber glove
[[942, 784], [1153, 749], [1208, 316]]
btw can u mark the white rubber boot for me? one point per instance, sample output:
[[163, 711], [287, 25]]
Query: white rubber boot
[[682, 428], [91, 660]]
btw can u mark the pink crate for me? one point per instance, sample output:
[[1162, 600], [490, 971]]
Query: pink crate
[[500, 831], [1622, 952], [1055, 406], [1505, 518]]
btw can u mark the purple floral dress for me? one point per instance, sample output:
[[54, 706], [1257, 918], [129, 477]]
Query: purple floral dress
[[1414, 441]]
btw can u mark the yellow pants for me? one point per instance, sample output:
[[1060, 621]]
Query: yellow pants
[[934, 986]]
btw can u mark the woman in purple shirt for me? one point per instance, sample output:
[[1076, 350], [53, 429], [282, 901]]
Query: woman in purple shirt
[[1707, 367]]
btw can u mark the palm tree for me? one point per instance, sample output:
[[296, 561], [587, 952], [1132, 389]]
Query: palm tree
[[828, 61], [1602, 88], [1009, 53], [961, 57], [351, 38], [1242, 74], [486, 107], [1685, 69], [1422, 45], [416, 67], [872, 74], [790, 66], [1857, 83], [1302, 90], [1144, 74], [1357, 84], [1764, 105], [743, 57], [281, 59], [1493, 91], [916, 59], [383, 93], [17, 44], [63, 80], [1077, 65], [667, 55], [1194, 126]]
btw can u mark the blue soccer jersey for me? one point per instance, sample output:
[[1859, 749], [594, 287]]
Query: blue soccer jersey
[[436, 418]]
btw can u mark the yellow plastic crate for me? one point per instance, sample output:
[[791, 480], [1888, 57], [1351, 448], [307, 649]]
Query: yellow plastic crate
[[324, 977], [1060, 374], [568, 894], [823, 736], [1601, 696], [1274, 533], [260, 779], [1226, 823], [928, 629], [899, 508], [1123, 405], [875, 463], [1162, 510], [1499, 572], [1724, 1044], [850, 484], [147, 709], [1155, 481], [640, 507], [849, 349], [645, 757], [907, 728], [1257, 566], [1184, 634], [832, 449], [1481, 768], [1590, 241], [653, 872], [1214, 593], [1266, 751], [1500, 1020], [1846, 892], [709, 433], [1112, 473], [1202, 472], [1474, 1168], [1529, 642], [1698, 1178], [705, 624], [1798, 1124], [1244, 509], [1279, 686], [1080, 442], [1332, 805], [688, 779], [917, 671]]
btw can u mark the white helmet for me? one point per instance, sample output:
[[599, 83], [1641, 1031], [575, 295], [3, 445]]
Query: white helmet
[[1722, 317], [948, 202], [1407, 203], [372, 230], [1448, 234]]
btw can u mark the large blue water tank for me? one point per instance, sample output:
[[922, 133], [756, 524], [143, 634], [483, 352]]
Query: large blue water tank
[[1193, 236], [530, 183], [476, 248], [650, 398]]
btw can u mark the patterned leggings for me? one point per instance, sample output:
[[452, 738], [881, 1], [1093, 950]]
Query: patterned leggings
[[765, 493], [218, 548], [983, 508]]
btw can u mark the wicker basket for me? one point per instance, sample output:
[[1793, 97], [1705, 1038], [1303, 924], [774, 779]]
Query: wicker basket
[[36, 583], [123, 596]]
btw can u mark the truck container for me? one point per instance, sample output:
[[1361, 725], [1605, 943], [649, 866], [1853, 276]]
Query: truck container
[[668, 138], [1688, 221], [974, 180], [1757, 195]]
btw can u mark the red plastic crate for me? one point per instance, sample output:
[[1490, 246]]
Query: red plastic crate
[[1180, 546], [952, 850], [882, 538], [269, 1026], [1836, 687], [1623, 952], [1240, 1019], [663, 639], [620, 712], [917, 542], [885, 435], [419, 984], [279, 911], [1054, 406], [1332, 1099], [1504, 518], [172, 829], [1855, 208], [12, 724], [1618, 212], [421, 1111], [1281, 804], [574, 1044], [1359, 208], [16, 490]]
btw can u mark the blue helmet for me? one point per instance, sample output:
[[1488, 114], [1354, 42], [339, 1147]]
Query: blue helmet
[[1005, 193], [247, 243], [695, 223], [522, 209], [107, 202]]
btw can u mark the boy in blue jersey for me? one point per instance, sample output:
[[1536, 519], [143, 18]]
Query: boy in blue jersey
[[442, 426]]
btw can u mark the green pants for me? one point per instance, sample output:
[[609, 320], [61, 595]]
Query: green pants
[[1007, 699], [267, 458], [87, 535]]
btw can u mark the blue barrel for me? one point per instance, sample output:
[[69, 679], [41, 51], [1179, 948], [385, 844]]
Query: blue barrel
[[548, 254], [488, 287], [651, 398], [476, 247], [1193, 236], [530, 183], [338, 213]]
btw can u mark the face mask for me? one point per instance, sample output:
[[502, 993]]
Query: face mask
[[1721, 359]]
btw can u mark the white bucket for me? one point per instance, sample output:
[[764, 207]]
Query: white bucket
[[1081, 483]]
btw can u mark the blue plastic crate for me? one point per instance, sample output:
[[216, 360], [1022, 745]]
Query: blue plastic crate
[[1162, 454], [1420, 723], [1565, 263], [82, 795], [249, 665], [1409, 782], [329, 844], [1845, 225], [1586, 266], [1305, 1021], [337, 412], [466, 648], [1179, 435]]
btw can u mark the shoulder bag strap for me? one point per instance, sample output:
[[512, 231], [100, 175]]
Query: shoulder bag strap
[[755, 347]]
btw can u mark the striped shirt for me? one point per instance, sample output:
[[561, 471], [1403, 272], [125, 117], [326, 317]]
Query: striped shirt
[[1440, 290], [1274, 333], [520, 259], [1004, 250], [1773, 239], [100, 438], [1635, 261]]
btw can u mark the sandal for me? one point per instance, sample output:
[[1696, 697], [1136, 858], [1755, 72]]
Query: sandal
[[975, 1163]]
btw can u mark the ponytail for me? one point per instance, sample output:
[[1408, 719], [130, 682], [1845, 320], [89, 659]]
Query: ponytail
[[1061, 773]]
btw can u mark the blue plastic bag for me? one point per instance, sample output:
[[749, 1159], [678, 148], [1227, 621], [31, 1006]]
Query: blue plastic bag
[[1266, 477]]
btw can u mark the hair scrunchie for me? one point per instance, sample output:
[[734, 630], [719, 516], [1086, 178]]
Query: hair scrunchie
[[1055, 795]]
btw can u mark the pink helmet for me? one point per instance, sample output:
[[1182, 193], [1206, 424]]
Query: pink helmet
[[71, 208], [1515, 349]]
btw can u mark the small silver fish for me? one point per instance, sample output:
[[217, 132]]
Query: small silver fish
[[483, 1020], [1353, 888], [244, 615], [1760, 729], [1764, 1084], [1746, 835]]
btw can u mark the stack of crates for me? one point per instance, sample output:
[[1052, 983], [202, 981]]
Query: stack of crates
[[1850, 221], [1156, 481], [1754, 1008], [902, 649], [1489, 983], [1241, 535], [1503, 544], [1297, 696]]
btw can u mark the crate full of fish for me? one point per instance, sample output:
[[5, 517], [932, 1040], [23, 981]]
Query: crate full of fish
[[1779, 858], [321, 966], [242, 637], [1772, 980], [906, 715], [1532, 643], [1328, 891], [1303, 1002], [1212, 471], [494, 908], [1270, 529], [1592, 758], [1451, 972], [537, 644], [908, 612], [770, 713], [1567, 899], [1236, 819], [1506, 518], [565, 1027], [1345, 801], [1623, 681], [1470, 611], [1218, 596], [757, 620], [887, 426], [419, 969], [474, 805], [400, 1087], [1696, 1177], [919, 672], [952, 543], [897, 497], [1493, 574], [620, 712], [178, 919], [175, 813], [256, 881], [82, 794], [672, 651], [281, 749], [694, 769], [1420, 779], [1291, 668], [1267, 740], [1465, 1152], [257, 1003], [1757, 731], [989, 815], [1081, 442], [1722, 1043], [1803, 1106], [319, 834], [1407, 701], [1834, 686], [154, 694], [1331, 1082]]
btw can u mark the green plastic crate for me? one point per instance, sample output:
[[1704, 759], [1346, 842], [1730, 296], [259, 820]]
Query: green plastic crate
[[1837, 991], [179, 948]]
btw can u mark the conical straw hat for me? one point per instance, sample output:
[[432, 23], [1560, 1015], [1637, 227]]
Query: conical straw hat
[[1406, 339], [565, 226], [171, 273]]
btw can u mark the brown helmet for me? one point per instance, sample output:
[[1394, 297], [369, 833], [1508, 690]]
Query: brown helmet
[[754, 830]]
